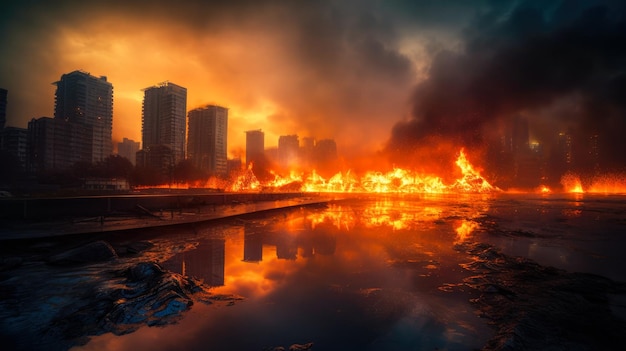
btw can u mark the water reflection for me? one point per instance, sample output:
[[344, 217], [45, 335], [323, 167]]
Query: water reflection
[[356, 275], [205, 262]]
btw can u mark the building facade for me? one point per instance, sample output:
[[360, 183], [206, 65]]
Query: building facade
[[85, 103], [14, 141], [164, 118], [208, 134], [128, 148], [255, 147], [40, 145]]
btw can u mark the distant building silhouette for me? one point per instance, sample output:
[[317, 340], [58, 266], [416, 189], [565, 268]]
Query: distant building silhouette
[[307, 152], [208, 132], [40, 145], [128, 148], [256, 154], [85, 103], [288, 149], [325, 151], [164, 119], [3, 107], [255, 146], [14, 141]]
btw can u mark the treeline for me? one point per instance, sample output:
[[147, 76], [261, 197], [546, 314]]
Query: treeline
[[112, 167]]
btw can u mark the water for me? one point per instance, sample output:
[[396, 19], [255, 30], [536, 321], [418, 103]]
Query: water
[[376, 273]]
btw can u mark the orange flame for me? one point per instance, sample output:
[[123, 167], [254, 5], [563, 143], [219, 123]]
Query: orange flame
[[571, 183], [398, 180]]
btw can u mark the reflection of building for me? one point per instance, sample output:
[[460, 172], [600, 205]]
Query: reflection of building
[[85, 102], [205, 262], [309, 242], [207, 146], [252, 245], [128, 148], [163, 118]]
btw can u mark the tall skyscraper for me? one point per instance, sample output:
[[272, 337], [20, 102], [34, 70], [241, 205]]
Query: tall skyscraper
[[128, 148], [255, 146], [208, 130], [163, 118], [85, 102], [3, 108]]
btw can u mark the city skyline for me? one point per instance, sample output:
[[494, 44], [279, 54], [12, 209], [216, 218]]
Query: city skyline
[[394, 76]]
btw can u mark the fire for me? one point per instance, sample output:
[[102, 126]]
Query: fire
[[544, 189], [571, 183], [246, 181], [465, 229], [604, 184], [397, 180], [609, 184]]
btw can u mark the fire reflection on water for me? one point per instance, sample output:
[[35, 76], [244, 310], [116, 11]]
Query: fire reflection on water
[[252, 258]]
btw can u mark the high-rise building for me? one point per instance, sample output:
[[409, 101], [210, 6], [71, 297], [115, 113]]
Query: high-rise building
[[85, 103], [208, 130], [163, 118], [40, 145], [128, 148], [288, 147], [325, 150], [3, 107], [255, 146]]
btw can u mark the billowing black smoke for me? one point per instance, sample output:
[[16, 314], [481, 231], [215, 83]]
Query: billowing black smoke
[[563, 69]]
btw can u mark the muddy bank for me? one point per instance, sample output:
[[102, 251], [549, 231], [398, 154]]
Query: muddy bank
[[55, 300], [535, 307]]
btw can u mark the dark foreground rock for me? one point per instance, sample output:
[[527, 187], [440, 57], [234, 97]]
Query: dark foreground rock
[[533, 307], [97, 251], [55, 307]]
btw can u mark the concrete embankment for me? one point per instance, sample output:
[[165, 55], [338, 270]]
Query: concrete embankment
[[45, 217]]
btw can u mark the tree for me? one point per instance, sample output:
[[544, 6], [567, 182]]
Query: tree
[[115, 166]]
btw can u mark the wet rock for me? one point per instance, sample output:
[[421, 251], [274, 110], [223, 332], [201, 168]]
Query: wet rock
[[144, 270], [301, 347], [293, 347], [536, 307], [97, 251], [137, 247]]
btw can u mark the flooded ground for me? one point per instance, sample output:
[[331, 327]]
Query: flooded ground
[[373, 273]]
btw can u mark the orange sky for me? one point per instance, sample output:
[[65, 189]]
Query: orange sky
[[322, 71]]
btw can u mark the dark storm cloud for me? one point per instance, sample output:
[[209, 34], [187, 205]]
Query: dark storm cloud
[[523, 59]]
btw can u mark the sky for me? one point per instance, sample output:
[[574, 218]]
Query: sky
[[373, 75]]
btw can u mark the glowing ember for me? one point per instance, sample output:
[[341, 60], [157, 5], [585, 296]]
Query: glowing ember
[[544, 189], [465, 229], [246, 181], [571, 183], [609, 184]]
